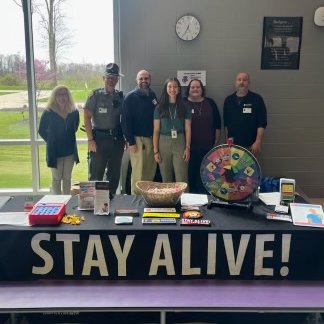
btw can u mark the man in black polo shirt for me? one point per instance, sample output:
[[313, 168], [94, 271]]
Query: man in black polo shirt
[[245, 115], [138, 110], [102, 121]]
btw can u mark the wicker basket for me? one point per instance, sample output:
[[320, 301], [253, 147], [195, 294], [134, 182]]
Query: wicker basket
[[153, 195]]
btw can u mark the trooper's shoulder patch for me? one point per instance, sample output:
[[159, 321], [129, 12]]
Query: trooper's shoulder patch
[[96, 92]]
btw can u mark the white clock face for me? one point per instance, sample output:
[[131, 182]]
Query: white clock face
[[187, 27]]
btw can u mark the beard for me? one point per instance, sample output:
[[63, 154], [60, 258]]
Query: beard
[[241, 91], [144, 85], [144, 88]]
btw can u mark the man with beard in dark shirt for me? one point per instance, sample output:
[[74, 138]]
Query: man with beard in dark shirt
[[245, 115], [137, 122]]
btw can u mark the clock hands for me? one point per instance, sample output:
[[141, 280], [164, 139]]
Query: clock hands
[[186, 30], [188, 27]]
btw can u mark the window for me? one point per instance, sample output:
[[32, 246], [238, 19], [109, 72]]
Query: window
[[77, 59]]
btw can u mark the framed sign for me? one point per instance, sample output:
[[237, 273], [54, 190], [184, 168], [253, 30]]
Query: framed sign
[[281, 43], [186, 76]]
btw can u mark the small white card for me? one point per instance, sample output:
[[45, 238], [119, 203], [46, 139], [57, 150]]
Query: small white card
[[123, 220], [282, 209]]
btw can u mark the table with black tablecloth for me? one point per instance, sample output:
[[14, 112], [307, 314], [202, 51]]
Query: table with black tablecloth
[[239, 244], [68, 272]]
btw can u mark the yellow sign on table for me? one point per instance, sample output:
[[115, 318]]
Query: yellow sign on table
[[174, 215]]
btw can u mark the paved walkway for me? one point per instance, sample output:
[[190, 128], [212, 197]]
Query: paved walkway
[[19, 100]]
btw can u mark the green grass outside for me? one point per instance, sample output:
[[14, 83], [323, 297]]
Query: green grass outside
[[15, 125], [15, 161], [78, 96], [16, 87], [5, 93]]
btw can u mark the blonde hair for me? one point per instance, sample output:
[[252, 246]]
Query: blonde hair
[[52, 104]]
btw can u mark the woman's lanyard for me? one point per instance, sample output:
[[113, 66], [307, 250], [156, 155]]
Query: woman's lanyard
[[174, 133]]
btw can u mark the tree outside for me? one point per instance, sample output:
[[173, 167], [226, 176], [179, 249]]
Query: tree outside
[[81, 78]]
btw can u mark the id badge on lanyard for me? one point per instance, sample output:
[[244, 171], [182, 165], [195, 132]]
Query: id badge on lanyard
[[174, 133], [247, 109]]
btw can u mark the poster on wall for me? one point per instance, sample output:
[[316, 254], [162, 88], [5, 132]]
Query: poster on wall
[[186, 76], [281, 43]]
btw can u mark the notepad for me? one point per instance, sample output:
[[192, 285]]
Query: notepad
[[188, 199], [14, 218]]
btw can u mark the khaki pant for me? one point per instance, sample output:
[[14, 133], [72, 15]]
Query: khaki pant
[[143, 163], [61, 175], [172, 165]]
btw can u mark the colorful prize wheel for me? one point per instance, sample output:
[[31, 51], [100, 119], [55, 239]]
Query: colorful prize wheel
[[230, 173]]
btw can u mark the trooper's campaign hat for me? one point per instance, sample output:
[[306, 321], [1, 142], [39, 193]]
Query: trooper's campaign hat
[[112, 69]]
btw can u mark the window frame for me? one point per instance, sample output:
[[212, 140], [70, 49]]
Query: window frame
[[34, 142]]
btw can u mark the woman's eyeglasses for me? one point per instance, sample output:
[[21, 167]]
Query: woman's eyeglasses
[[62, 94]]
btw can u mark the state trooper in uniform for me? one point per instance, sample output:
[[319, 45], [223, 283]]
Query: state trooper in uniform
[[102, 117]]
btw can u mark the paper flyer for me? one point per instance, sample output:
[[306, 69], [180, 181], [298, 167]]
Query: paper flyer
[[101, 201], [307, 215], [86, 195]]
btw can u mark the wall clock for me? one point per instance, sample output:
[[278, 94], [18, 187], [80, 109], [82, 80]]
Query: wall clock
[[187, 27]]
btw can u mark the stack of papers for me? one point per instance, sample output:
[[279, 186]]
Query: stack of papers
[[14, 218], [270, 198], [4, 200], [55, 199], [193, 200]]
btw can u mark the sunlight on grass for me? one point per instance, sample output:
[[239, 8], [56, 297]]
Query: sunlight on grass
[[14, 125], [79, 96], [4, 93], [15, 161]]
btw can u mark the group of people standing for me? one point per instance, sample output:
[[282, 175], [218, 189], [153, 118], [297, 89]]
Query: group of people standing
[[172, 132]]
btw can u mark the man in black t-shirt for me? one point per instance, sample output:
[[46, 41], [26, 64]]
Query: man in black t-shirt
[[245, 115]]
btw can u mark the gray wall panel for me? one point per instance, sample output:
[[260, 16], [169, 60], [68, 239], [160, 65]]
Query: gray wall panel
[[229, 42]]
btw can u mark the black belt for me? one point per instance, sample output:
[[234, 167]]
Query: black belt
[[109, 131]]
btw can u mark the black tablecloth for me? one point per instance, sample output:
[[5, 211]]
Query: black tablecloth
[[239, 244], [221, 218]]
